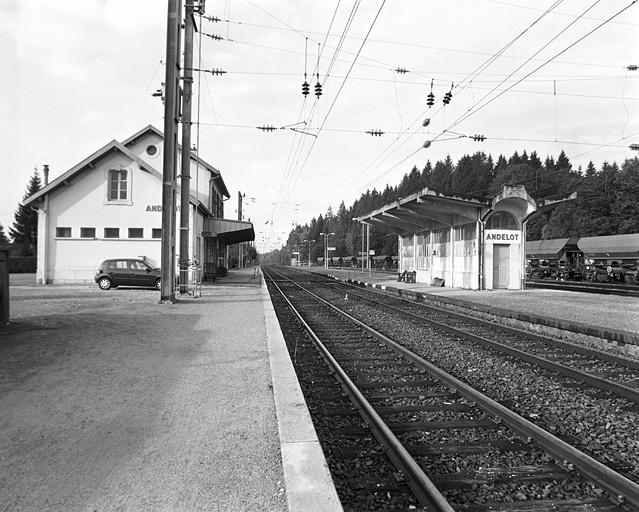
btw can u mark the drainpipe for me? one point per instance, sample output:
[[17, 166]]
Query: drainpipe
[[482, 248]]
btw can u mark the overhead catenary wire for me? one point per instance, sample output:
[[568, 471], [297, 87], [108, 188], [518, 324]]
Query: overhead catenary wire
[[339, 90], [475, 110], [465, 116], [476, 72]]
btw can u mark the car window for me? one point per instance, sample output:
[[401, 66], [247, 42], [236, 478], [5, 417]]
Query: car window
[[137, 265], [117, 265]]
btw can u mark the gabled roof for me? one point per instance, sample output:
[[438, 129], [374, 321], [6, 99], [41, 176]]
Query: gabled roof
[[611, 246], [88, 163], [152, 129]]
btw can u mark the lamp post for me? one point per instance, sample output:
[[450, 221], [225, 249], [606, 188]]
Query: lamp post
[[309, 251], [326, 235]]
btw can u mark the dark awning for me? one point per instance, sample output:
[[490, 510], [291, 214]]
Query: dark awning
[[228, 231], [545, 248], [613, 246]]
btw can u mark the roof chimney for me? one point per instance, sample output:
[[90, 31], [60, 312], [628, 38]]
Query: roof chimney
[[45, 173]]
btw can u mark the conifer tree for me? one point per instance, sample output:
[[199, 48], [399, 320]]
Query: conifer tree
[[25, 224], [4, 241]]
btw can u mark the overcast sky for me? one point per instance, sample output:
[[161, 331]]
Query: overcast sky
[[79, 73]]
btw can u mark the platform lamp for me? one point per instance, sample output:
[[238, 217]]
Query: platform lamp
[[326, 235], [309, 250]]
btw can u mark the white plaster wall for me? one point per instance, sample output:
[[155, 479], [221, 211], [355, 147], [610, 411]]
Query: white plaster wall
[[514, 276], [83, 203]]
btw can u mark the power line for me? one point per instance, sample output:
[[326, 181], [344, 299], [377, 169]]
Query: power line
[[339, 90], [475, 110]]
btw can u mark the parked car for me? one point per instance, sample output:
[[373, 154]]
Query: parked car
[[127, 272]]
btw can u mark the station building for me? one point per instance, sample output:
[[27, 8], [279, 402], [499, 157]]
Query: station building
[[450, 241], [110, 206]]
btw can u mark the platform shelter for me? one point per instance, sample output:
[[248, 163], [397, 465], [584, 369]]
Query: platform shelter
[[457, 242]]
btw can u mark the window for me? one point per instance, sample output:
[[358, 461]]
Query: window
[[465, 232], [118, 183], [111, 232], [63, 232], [151, 150], [502, 220], [118, 265], [87, 232], [138, 266], [136, 232], [156, 233]]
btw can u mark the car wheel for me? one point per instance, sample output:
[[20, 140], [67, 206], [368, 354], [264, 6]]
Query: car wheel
[[158, 284], [104, 283]]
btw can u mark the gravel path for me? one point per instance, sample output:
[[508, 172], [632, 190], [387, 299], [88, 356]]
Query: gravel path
[[111, 401]]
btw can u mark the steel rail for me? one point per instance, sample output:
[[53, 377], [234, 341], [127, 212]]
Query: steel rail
[[613, 358], [597, 382], [423, 488], [622, 490]]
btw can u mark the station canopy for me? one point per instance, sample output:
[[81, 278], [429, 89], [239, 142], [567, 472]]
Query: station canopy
[[621, 246], [228, 231], [424, 210], [545, 248]]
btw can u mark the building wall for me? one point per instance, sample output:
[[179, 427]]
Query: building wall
[[83, 203], [512, 239]]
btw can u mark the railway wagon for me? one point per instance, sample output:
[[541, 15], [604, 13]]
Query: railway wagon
[[612, 258]]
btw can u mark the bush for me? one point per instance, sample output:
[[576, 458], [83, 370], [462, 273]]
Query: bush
[[221, 271], [22, 264]]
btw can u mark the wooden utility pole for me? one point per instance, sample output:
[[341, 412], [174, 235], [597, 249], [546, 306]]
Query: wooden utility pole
[[172, 87], [185, 171]]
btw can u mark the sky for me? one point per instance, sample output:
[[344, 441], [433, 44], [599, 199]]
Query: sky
[[545, 76]]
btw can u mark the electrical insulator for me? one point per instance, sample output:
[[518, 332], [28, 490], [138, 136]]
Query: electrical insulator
[[632, 67], [431, 97], [426, 144], [479, 138], [448, 96], [305, 88], [318, 89], [401, 71], [634, 147], [375, 133], [426, 122]]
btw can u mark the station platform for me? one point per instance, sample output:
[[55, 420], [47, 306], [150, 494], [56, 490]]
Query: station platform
[[112, 401], [613, 318]]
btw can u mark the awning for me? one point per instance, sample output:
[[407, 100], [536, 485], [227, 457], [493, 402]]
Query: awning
[[545, 248], [613, 246], [228, 231], [424, 210]]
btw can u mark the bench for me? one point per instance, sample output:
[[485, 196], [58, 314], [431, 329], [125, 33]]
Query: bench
[[408, 276]]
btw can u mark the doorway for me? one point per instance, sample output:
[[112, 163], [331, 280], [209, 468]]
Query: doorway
[[501, 266]]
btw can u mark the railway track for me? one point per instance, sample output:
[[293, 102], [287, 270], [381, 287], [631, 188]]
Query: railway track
[[453, 447], [602, 370]]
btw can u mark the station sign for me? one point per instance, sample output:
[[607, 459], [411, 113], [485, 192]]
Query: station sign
[[331, 248], [502, 236]]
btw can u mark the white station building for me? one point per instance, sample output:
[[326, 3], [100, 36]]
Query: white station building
[[459, 243], [110, 206]]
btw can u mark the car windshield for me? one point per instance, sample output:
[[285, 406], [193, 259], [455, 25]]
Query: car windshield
[[151, 262]]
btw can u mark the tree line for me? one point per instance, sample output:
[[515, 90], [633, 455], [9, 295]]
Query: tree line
[[606, 204], [22, 239]]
